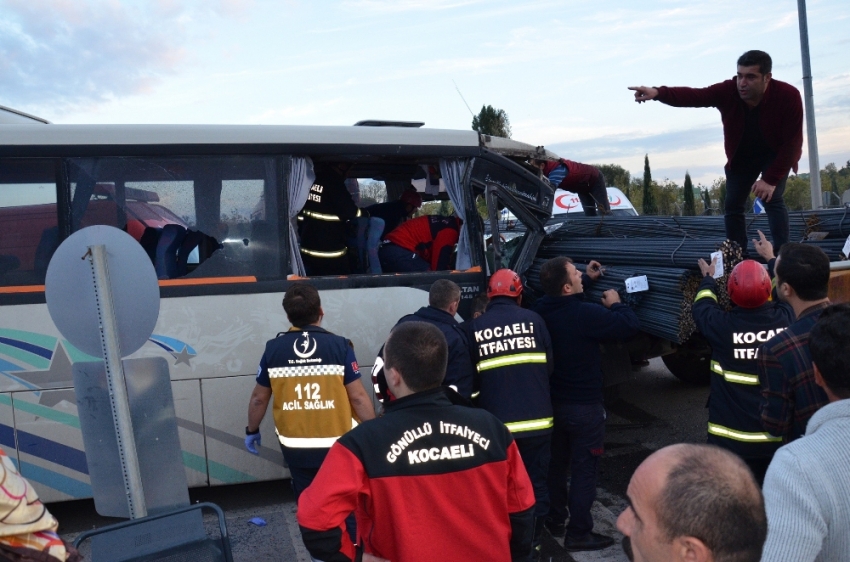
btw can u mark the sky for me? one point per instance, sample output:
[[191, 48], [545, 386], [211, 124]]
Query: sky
[[560, 69]]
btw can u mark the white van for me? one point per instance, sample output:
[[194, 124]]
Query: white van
[[568, 202]]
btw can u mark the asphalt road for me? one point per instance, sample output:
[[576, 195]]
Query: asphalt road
[[650, 411]]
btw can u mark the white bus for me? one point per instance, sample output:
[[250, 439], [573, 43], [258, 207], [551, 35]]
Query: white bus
[[228, 196]]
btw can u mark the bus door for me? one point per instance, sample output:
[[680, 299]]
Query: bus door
[[506, 184]]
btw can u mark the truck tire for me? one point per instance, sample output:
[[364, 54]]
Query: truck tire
[[691, 362]]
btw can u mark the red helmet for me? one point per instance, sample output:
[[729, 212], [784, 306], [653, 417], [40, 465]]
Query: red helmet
[[749, 284], [504, 283]]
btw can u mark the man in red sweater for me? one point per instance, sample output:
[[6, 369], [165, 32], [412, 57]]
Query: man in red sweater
[[763, 136]]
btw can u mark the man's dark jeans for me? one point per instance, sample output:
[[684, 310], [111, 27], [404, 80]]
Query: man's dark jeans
[[739, 183], [577, 443], [535, 453], [395, 259], [302, 477], [596, 198]]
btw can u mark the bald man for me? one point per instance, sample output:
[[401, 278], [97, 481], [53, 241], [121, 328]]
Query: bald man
[[698, 503]]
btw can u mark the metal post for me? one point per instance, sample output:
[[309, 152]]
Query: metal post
[[115, 382], [811, 133]]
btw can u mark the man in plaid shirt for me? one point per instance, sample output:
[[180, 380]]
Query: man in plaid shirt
[[789, 393]]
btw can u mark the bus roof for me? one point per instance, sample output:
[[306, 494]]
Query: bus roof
[[136, 135], [510, 147]]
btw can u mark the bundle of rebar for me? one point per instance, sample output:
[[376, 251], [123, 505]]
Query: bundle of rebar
[[664, 309], [646, 252], [832, 247], [667, 250], [833, 223]]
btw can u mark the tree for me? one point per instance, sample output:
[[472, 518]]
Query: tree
[[615, 176], [372, 192], [492, 121], [706, 202], [649, 207], [717, 195], [798, 193], [666, 197], [689, 208]]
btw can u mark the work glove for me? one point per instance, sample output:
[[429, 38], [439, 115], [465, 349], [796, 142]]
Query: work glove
[[251, 441]]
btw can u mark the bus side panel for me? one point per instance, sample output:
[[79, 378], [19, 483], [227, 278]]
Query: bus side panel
[[50, 444], [190, 420], [225, 335], [225, 417], [7, 428], [366, 316], [215, 336]]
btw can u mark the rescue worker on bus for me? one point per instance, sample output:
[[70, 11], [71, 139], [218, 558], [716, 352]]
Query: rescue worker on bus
[[314, 379], [512, 352], [323, 224], [425, 243], [734, 404]]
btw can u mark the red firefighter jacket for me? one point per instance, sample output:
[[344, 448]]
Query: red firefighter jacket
[[428, 481]]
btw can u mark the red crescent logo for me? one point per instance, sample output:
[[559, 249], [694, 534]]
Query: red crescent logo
[[614, 200], [559, 203]]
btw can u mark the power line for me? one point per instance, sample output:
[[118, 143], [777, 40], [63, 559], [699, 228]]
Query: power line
[[464, 99]]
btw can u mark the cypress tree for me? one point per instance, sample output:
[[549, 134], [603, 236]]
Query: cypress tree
[[690, 206], [649, 206], [706, 201]]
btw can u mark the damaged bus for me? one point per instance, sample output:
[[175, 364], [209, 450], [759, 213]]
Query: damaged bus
[[216, 209]]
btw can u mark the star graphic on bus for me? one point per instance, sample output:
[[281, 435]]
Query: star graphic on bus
[[184, 356]]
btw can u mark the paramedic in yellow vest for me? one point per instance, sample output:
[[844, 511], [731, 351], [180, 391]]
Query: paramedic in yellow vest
[[314, 379]]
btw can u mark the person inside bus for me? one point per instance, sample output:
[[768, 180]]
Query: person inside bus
[[425, 243], [323, 223], [394, 213], [383, 218]]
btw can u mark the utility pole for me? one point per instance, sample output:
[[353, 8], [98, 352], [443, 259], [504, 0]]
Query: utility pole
[[811, 132]]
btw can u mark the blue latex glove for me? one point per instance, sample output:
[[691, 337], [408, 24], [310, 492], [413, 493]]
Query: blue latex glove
[[250, 440]]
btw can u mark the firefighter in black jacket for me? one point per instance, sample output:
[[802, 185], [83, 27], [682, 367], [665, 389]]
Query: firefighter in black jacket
[[323, 224], [512, 352], [734, 421]]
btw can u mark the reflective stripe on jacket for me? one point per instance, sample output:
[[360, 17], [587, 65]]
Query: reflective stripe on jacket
[[735, 337], [512, 352], [306, 370]]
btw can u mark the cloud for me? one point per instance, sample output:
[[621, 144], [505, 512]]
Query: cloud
[[64, 53], [396, 6], [294, 112], [630, 144], [790, 18]]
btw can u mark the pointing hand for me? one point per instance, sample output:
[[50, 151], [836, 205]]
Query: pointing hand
[[763, 247], [643, 93]]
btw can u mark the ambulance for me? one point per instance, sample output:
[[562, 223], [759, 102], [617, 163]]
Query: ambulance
[[568, 202]]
